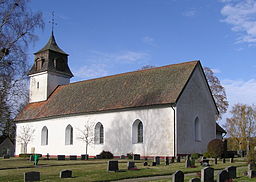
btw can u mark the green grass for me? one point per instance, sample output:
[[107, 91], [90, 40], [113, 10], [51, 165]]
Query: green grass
[[95, 170]]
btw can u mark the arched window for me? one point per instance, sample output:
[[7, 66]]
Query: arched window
[[69, 135], [44, 136], [197, 130], [99, 134], [137, 132]]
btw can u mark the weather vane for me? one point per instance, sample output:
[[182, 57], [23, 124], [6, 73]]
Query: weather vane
[[52, 21]]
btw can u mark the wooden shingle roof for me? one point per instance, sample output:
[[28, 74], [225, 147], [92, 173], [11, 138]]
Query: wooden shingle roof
[[156, 86]]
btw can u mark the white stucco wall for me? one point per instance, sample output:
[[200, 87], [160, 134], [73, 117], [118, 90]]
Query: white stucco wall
[[157, 133], [195, 101], [47, 83]]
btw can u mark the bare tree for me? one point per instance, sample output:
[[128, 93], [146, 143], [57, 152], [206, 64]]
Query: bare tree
[[146, 67], [241, 126], [17, 26], [86, 134], [25, 136], [218, 91]]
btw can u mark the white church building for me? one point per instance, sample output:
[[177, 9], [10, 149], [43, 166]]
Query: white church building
[[163, 111]]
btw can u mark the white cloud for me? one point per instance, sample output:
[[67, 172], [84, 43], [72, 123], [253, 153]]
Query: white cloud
[[189, 13], [149, 40], [240, 91], [215, 70], [241, 15], [91, 71]]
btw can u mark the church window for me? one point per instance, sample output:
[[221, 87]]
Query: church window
[[39, 64], [197, 130], [37, 85], [44, 136], [99, 133], [137, 131], [69, 135]]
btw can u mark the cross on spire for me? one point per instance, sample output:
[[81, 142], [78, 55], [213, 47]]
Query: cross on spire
[[52, 21]]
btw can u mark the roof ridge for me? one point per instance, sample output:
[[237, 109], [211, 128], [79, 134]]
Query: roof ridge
[[130, 72]]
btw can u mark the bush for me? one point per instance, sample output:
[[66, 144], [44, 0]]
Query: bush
[[106, 155], [207, 155], [251, 157], [195, 156], [215, 148], [130, 155]]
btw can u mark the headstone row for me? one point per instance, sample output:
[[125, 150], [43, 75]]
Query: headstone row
[[35, 176]]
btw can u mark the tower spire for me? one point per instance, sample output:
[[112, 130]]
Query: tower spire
[[52, 21]]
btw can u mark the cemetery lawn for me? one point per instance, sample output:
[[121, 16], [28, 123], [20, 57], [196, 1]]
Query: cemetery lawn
[[95, 170]]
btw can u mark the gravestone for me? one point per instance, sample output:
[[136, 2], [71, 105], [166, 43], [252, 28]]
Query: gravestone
[[98, 157], [231, 160], [251, 174], [251, 166], [146, 159], [195, 180], [113, 166], [178, 176], [66, 174], [84, 157], [47, 156], [167, 161], [131, 165], [72, 157], [60, 157], [224, 160], [178, 159], [187, 163], [6, 156], [231, 171], [207, 174], [172, 159], [215, 160], [122, 157], [157, 160], [136, 157], [153, 163], [31, 176], [222, 176], [145, 163]]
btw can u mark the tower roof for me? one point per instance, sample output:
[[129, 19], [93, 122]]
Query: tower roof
[[52, 45]]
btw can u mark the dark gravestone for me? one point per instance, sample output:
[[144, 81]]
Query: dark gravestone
[[31, 176], [167, 161], [136, 157], [231, 160], [60, 157], [98, 157], [178, 176], [172, 159], [122, 157], [66, 174], [145, 163], [113, 166], [157, 160], [131, 165], [231, 171], [6, 156], [251, 174], [84, 157], [207, 174], [47, 156], [187, 163], [224, 160], [146, 159], [251, 166], [153, 163], [178, 159], [215, 160], [222, 176], [72, 157], [195, 180]]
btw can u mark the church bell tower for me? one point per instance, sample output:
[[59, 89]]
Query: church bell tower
[[49, 70]]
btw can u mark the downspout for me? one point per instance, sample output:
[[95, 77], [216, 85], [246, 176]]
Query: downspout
[[174, 130]]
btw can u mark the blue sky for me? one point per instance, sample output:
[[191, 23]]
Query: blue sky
[[105, 37]]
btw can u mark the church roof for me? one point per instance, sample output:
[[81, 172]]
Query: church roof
[[156, 86], [51, 45], [219, 129]]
